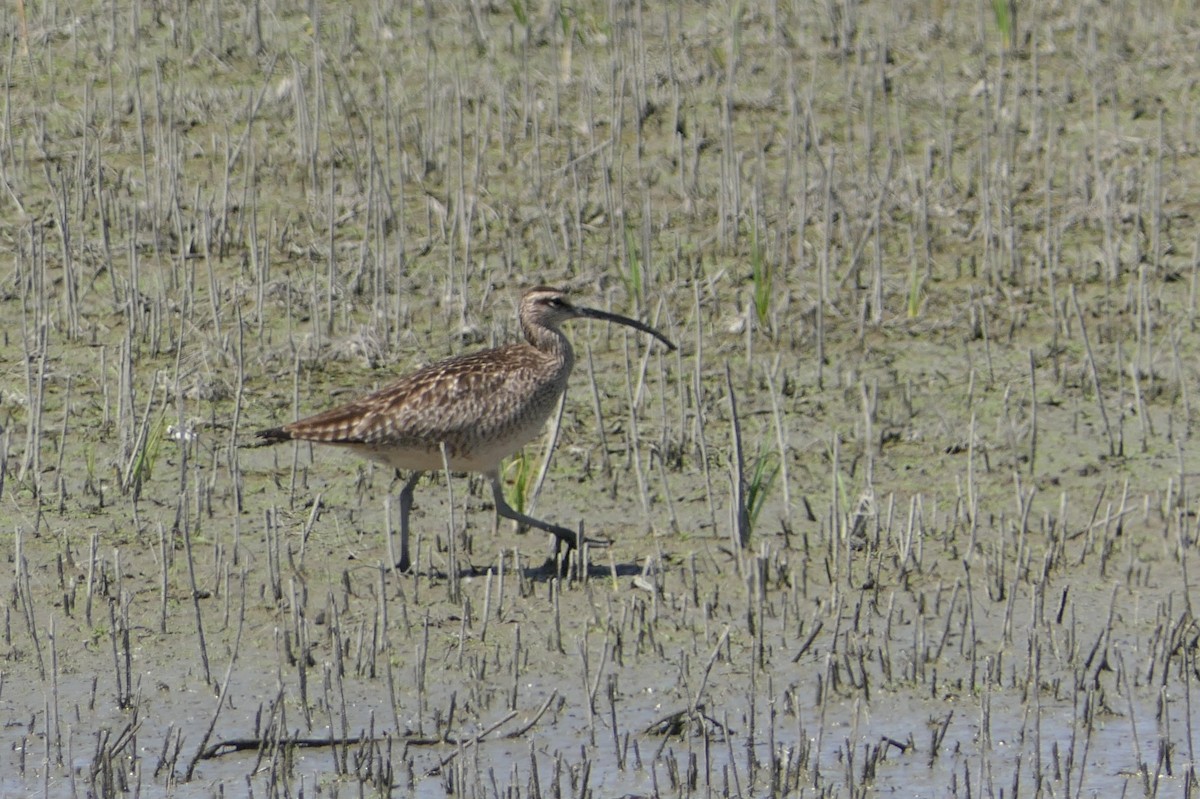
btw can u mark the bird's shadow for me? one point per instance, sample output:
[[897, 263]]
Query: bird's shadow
[[550, 569], [545, 572]]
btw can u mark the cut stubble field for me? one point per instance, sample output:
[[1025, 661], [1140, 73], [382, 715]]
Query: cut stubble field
[[908, 512]]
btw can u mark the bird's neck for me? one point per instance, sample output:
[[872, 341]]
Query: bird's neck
[[551, 342]]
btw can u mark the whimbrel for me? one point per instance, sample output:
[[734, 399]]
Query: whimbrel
[[482, 407]]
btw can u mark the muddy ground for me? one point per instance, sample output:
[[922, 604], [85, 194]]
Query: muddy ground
[[932, 269]]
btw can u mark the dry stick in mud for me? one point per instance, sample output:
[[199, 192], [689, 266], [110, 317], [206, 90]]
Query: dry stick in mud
[[481, 407], [672, 723], [201, 751], [221, 748], [475, 739], [741, 527], [1093, 372]]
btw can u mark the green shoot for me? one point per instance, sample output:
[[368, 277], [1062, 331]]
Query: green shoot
[[633, 277], [915, 293], [762, 478], [763, 276], [520, 12], [521, 470], [143, 466], [1004, 11]]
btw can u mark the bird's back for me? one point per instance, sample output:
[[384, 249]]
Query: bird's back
[[483, 406]]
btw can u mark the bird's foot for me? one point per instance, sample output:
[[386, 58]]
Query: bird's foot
[[559, 561]]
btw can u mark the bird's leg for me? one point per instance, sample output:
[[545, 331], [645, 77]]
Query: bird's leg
[[563, 534], [406, 499]]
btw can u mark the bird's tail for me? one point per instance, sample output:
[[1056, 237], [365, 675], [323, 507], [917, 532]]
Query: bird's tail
[[265, 438]]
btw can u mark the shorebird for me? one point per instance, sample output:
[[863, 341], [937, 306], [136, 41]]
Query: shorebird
[[481, 407]]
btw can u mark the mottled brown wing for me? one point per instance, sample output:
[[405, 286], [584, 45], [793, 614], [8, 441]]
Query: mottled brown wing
[[444, 401]]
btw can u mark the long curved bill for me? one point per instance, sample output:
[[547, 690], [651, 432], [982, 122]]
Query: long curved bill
[[594, 313]]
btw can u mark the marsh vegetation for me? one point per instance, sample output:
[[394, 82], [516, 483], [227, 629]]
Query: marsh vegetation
[[910, 511]]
